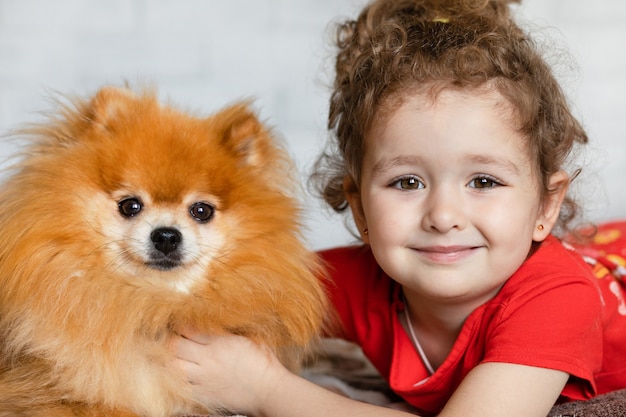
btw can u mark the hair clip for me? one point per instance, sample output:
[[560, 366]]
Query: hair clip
[[441, 20]]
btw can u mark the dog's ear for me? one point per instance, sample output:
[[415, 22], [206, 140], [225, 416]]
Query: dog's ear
[[107, 105], [241, 131], [75, 116]]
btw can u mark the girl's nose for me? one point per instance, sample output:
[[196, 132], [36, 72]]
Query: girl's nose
[[443, 210]]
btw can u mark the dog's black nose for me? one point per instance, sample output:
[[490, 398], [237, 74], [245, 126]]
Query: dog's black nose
[[166, 239]]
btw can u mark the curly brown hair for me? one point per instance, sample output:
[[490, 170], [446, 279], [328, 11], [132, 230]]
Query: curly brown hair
[[396, 48]]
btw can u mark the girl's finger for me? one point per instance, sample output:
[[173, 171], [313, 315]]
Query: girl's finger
[[195, 336]]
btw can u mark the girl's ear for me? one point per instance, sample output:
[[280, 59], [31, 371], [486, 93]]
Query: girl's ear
[[353, 196], [551, 205]]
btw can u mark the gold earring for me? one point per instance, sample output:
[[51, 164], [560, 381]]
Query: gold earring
[[365, 231], [540, 227]]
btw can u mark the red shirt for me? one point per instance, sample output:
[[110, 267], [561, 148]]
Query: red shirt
[[552, 313]]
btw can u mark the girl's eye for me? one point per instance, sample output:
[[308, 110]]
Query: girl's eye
[[484, 182], [408, 183]]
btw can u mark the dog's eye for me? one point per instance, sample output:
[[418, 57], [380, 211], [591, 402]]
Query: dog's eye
[[202, 212], [130, 207]]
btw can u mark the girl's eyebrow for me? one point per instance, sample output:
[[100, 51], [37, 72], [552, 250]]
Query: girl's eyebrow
[[384, 165], [500, 162]]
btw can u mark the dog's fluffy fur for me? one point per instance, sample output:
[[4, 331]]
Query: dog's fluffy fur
[[127, 220]]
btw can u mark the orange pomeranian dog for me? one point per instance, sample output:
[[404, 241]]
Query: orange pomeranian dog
[[126, 220]]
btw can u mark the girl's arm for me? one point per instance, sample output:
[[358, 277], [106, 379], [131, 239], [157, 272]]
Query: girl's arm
[[505, 389], [234, 372]]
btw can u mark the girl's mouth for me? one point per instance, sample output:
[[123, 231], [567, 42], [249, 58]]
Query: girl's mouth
[[447, 254]]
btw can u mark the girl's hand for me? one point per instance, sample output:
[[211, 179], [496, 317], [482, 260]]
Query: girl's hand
[[235, 373], [227, 370]]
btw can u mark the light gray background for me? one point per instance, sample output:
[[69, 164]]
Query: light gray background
[[203, 54]]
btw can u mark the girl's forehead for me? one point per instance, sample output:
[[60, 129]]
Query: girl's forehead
[[424, 98], [484, 102], [433, 95], [452, 124]]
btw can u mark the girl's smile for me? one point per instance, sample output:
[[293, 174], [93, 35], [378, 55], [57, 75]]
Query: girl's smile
[[447, 254]]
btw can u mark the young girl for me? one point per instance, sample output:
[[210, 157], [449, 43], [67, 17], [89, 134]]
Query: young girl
[[451, 138]]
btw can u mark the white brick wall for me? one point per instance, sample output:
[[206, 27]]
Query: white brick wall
[[205, 53]]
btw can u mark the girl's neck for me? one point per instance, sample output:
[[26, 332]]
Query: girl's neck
[[436, 326], [437, 316]]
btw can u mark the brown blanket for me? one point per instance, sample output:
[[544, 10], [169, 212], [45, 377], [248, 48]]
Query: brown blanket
[[612, 404]]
